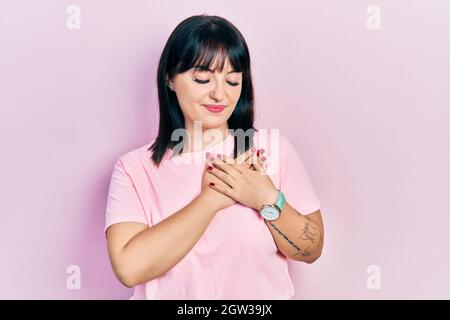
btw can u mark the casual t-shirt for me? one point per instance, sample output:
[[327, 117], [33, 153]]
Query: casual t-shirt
[[236, 257]]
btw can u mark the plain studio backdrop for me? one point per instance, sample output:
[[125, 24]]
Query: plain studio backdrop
[[361, 88]]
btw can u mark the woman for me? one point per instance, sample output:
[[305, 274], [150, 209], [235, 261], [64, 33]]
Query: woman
[[219, 218]]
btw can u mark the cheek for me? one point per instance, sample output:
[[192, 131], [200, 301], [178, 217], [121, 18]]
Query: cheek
[[235, 94], [236, 91], [190, 95], [197, 93]]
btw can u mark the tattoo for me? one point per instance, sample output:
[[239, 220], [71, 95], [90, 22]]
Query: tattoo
[[307, 234], [306, 253]]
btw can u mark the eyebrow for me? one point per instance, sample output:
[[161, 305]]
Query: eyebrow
[[207, 69]]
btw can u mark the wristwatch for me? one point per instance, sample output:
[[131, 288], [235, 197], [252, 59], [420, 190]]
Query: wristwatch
[[272, 211]]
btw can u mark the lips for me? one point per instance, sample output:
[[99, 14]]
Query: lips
[[214, 108]]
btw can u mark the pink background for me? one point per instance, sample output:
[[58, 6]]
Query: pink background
[[368, 111]]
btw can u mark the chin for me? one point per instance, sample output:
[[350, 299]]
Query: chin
[[213, 123]]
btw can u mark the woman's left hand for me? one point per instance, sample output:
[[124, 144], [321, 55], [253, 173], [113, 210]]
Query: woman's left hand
[[250, 186]]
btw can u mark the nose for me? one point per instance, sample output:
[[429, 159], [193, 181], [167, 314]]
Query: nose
[[217, 92]]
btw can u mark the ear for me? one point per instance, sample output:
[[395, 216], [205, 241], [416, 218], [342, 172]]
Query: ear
[[169, 83]]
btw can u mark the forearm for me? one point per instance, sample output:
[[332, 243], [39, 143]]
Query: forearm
[[159, 248], [296, 236]]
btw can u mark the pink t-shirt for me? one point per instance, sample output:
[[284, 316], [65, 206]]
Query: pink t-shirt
[[236, 257]]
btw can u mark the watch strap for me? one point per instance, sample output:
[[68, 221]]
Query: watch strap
[[281, 200]]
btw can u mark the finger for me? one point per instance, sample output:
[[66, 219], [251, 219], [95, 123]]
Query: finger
[[243, 157], [228, 191], [220, 174], [208, 164], [257, 163], [212, 178], [239, 167], [227, 168], [225, 159], [260, 152], [229, 161]]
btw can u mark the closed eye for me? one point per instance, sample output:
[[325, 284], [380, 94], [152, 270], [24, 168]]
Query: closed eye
[[233, 84]]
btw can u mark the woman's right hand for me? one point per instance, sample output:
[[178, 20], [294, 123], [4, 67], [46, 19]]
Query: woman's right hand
[[217, 198]]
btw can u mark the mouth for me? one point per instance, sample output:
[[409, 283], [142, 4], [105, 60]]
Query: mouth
[[214, 108]]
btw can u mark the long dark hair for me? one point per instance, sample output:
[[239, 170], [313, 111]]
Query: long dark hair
[[197, 41]]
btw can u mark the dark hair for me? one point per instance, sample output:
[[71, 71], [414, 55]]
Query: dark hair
[[196, 42]]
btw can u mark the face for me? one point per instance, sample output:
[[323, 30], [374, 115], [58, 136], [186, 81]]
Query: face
[[196, 90]]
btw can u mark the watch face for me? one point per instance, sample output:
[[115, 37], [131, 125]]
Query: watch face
[[270, 212]]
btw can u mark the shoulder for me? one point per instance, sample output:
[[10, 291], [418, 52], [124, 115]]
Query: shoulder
[[137, 157]]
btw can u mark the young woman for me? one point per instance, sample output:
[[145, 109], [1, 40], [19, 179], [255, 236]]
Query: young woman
[[219, 218]]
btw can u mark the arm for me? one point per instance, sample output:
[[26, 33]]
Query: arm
[[139, 253], [297, 236]]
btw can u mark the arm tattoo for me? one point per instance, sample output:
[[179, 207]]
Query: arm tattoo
[[307, 234], [306, 253]]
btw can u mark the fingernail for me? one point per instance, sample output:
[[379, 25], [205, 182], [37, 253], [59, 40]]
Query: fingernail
[[211, 184], [207, 154], [257, 153], [219, 156], [263, 159], [210, 167], [262, 151]]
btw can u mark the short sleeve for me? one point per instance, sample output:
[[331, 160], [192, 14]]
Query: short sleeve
[[123, 203], [295, 182]]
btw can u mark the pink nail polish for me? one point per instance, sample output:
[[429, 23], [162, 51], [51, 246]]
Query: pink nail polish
[[207, 154], [261, 151], [219, 156], [263, 159]]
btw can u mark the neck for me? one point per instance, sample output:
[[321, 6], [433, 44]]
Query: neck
[[201, 138]]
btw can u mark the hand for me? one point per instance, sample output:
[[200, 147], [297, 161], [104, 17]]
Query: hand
[[248, 185], [217, 198]]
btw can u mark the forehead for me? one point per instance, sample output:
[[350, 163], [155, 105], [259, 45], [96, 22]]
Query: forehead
[[227, 69], [217, 63]]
